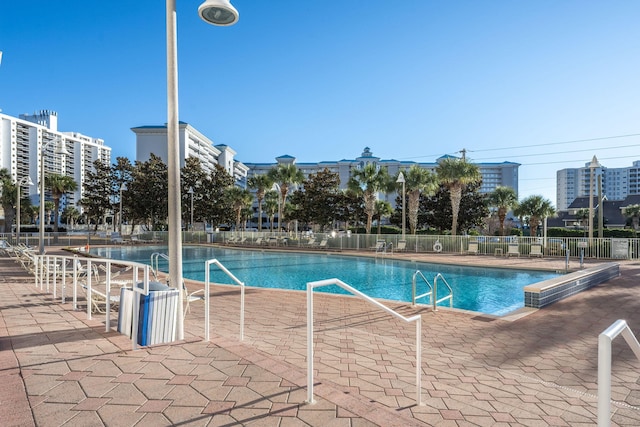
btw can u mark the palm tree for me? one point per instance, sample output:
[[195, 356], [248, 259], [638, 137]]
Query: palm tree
[[417, 181], [582, 215], [271, 205], [456, 174], [239, 199], [59, 185], [260, 183], [367, 182], [535, 208], [383, 208], [503, 198], [285, 175], [633, 212]]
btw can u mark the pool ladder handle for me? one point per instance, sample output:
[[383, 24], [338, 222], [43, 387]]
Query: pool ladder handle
[[433, 290]]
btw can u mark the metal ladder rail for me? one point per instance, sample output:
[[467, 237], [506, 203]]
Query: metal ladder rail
[[435, 292], [604, 366], [154, 263], [207, 285], [414, 297]]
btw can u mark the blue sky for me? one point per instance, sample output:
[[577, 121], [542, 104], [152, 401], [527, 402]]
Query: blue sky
[[412, 80]]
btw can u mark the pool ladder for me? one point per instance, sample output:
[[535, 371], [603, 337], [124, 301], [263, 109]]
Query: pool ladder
[[433, 290], [155, 258]]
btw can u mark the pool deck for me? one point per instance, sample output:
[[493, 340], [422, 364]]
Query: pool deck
[[57, 368]]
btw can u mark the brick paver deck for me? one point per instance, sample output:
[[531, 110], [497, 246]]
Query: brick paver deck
[[57, 368]]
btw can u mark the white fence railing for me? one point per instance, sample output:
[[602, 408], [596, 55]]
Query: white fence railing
[[417, 319]]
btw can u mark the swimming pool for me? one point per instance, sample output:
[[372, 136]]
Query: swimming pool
[[487, 290]]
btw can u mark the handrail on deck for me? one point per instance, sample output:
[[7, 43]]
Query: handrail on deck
[[414, 297], [207, 284], [417, 319], [604, 366], [47, 266], [435, 290]]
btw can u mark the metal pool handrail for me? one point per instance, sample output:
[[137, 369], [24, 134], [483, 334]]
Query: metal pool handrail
[[414, 297], [417, 319], [435, 292], [604, 366], [154, 262], [207, 267]]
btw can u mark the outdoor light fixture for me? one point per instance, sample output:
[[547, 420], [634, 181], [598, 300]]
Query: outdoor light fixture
[[24, 181], [218, 12], [60, 150], [402, 180]]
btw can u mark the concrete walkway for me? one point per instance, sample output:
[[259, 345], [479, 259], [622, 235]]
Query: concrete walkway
[[57, 368]]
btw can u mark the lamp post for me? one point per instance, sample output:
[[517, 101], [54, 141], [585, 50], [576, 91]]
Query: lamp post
[[26, 180], [592, 168], [216, 12], [402, 180], [276, 187], [60, 150], [191, 222], [122, 188]]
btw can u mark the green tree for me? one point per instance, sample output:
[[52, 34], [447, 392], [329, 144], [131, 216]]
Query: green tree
[[367, 182], [533, 209], [239, 200], [262, 184], [121, 172], [97, 192], [285, 175], [146, 195], [193, 177], [633, 213], [59, 186], [503, 198], [418, 181], [435, 210], [8, 197], [214, 204], [456, 174], [319, 202]]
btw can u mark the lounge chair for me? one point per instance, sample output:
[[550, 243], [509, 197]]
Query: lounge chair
[[99, 299], [513, 250], [380, 246], [536, 250], [190, 297], [473, 248], [402, 246]]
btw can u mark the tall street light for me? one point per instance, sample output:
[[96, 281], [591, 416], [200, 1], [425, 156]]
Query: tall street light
[[60, 150], [123, 187], [276, 187], [216, 12], [592, 169], [402, 180], [24, 181], [191, 222]]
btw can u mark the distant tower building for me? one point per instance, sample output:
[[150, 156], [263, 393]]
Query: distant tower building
[[21, 144]]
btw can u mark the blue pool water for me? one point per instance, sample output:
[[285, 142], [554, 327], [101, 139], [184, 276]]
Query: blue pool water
[[486, 290]]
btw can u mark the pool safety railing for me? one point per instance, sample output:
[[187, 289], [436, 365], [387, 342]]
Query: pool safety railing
[[207, 285], [604, 366], [53, 271], [417, 319], [155, 260], [433, 290]]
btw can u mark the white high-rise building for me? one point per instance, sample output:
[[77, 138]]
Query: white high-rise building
[[192, 143], [22, 140], [617, 183]]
